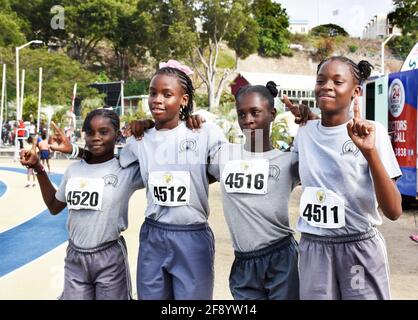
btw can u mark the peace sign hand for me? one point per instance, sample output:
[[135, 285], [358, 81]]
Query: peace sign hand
[[361, 132], [29, 158], [302, 113], [60, 141]]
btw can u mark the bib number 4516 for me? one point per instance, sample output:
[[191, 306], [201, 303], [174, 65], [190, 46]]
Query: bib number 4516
[[318, 213], [240, 180]]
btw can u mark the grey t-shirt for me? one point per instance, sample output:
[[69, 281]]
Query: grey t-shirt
[[89, 228], [256, 221], [329, 159], [176, 151]]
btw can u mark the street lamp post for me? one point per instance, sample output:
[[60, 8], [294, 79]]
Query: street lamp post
[[382, 54], [18, 113]]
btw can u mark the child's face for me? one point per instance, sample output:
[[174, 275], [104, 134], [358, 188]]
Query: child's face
[[166, 96], [254, 113], [101, 139], [335, 87]]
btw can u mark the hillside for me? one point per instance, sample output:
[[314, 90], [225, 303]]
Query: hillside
[[303, 61]]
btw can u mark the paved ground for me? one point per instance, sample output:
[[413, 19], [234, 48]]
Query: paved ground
[[42, 278]]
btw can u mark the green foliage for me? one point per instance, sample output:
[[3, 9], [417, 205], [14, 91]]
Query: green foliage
[[225, 60], [201, 100], [405, 16], [136, 87], [325, 47], [87, 22], [273, 34], [352, 48], [11, 33], [30, 107], [102, 77], [279, 133], [402, 45], [59, 75], [328, 30], [137, 115], [90, 104]]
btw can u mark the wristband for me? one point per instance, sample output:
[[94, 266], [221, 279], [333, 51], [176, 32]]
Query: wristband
[[40, 170]]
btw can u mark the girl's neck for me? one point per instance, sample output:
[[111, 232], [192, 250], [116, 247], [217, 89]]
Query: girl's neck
[[166, 125], [100, 159], [333, 120]]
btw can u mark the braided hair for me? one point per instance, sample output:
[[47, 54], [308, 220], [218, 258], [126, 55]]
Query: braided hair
[[360, 71], [185, 83], [105, 113], [269, 92]]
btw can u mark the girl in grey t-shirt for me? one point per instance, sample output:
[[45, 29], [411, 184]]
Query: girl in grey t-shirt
[[96, 192]]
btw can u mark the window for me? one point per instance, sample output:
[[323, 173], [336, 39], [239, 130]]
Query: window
[[380, 89]]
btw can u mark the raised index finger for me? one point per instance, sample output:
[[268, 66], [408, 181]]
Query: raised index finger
[[35, 142], [287, 102], [57, 129]]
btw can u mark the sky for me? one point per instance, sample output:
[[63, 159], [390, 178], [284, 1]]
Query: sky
[[352, 15]]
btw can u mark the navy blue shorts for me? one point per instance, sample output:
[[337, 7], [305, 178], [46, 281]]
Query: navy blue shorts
[[175, 262], [269, 273], [44, 154]]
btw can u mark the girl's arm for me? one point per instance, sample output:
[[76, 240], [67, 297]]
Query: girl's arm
[[30, 159], [363, 134]]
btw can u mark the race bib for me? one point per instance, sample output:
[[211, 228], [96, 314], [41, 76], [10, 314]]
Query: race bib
[[322, 208], [83, 193], [246, 176], [170, 188]]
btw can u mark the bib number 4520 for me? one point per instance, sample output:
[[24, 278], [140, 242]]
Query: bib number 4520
[[318, 213]]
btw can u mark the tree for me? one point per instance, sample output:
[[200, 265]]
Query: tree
[[194, 30], [10, 34], [37, 16], [328, 30], [405, 16], [124, 41], [59, 75], [10, 26], [88, 22], [273, 21]]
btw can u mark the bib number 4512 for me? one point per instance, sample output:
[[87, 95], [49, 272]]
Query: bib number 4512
[[318, 213], [170, 194]]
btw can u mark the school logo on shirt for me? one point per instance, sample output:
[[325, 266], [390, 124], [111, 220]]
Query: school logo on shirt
[[188, 144], [274, 172], [167, 178], [349, 147], [320, 196], [245, 165], [110, 179]]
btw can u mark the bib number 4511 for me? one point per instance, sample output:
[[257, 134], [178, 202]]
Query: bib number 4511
[[318, 213]]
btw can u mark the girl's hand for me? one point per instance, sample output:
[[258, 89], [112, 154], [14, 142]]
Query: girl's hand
[[137, 128], [195, 121], [302, 113], [59, 141], [361, 132], [29, 158]]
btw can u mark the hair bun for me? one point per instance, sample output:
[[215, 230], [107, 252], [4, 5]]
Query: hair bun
[[272, 87], [365, 69]]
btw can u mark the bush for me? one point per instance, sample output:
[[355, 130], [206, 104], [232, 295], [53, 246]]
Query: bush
[[325, 47], [352, 48]]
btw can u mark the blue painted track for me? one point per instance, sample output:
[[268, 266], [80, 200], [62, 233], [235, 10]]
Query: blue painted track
[[3, 188], [33, 238]]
